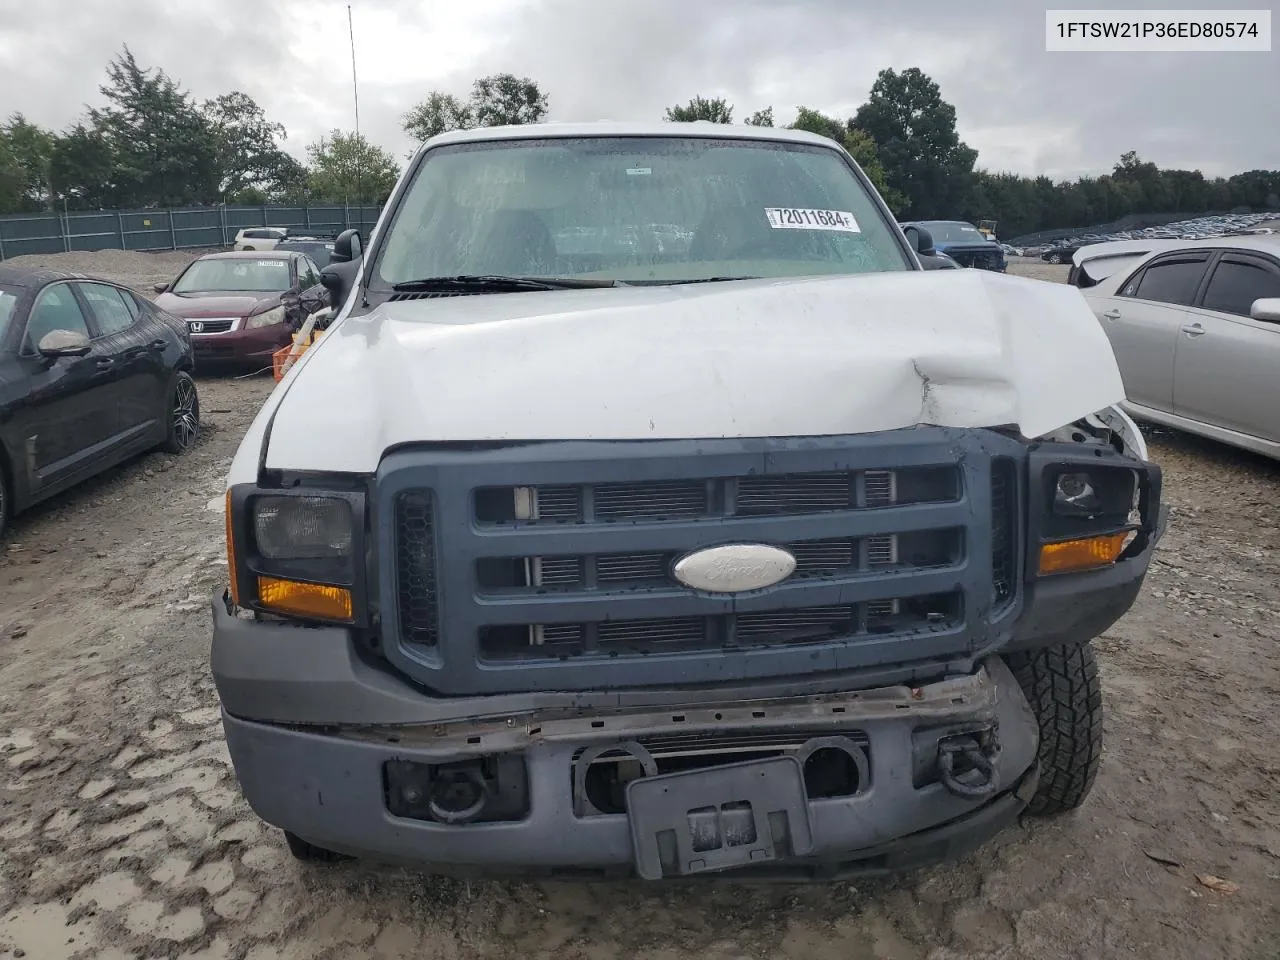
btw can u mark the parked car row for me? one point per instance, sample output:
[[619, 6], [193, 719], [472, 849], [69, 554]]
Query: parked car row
[[1199, 228], [319, 249]]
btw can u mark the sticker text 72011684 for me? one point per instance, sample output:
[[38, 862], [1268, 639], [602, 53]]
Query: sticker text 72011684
[[794, 218]]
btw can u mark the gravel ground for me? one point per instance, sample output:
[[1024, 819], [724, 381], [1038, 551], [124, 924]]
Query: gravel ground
[[122, 833]]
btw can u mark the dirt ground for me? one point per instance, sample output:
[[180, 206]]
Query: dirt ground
[[123, 835]]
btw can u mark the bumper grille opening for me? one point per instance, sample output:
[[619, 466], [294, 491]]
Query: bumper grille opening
[[828, 771], [641, 637]]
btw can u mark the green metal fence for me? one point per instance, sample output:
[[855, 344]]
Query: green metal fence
[[169, 229]]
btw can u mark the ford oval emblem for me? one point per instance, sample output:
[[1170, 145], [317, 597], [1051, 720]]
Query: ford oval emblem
[[734, 567]]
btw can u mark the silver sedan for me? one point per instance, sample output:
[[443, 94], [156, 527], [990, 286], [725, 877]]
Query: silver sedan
[[1195, 327]]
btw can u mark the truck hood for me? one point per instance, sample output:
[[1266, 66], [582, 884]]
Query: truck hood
[[768, 358]]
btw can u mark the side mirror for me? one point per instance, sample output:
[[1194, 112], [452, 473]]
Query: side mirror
[[921, 240], [347, 247], [1267, 308], [160, 287], [63, 343], [338, 278]]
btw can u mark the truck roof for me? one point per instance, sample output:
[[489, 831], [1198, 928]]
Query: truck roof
[[610, 128]]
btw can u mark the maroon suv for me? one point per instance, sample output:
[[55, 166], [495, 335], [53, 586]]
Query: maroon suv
[[241, 306]]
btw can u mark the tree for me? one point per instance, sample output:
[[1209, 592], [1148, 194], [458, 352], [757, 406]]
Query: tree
[[347, 168], [501, 99], [83, 169], [859, 145], [699, 108], [30, 148], [761, 118], [166, 151], [914, 131], [248, 145], [438, 113]]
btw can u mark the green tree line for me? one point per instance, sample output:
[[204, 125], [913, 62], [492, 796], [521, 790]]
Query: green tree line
[[152, 144]]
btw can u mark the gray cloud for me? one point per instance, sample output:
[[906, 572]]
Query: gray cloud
[[1024, 109]]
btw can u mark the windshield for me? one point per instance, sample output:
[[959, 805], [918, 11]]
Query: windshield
[[238, 275], [636, 209], [945, 231], [8, 299]]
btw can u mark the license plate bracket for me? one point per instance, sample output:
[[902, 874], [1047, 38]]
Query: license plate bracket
[[704, 821]]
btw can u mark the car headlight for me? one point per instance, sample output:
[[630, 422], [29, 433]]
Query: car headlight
[[1095, 493], [270, 318], [297, 553], [302, 528]]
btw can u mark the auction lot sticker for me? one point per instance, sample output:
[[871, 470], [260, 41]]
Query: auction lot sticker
[[805, 218]]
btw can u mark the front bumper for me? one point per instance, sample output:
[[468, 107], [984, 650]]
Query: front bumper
[[242, 346], [330, 786]]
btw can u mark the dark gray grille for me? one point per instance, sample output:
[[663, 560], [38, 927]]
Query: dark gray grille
[[416, 566], [800, 625], [1004, 501], [748, 496]]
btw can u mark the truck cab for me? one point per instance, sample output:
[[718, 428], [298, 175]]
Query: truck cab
[[647, 510]]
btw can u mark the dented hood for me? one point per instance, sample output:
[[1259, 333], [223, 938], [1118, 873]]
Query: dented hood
[[794, 357]]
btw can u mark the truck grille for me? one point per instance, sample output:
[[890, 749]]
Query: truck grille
[[891, 559]]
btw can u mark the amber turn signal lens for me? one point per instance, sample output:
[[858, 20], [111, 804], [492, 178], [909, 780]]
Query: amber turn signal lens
[[1087, 554], [231, 557], [304, 599]]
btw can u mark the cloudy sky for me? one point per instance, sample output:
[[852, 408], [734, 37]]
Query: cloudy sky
[[1023, 109]]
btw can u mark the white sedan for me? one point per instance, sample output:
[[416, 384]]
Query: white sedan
[[1195, 327]]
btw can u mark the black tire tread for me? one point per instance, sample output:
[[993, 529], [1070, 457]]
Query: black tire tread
[[1062, 685]]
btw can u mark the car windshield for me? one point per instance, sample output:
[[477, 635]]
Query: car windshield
[[8, 299], [948, 232], [241, 274], [637, 210]]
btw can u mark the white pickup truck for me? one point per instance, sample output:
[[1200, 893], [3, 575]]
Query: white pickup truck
[[648, 510]]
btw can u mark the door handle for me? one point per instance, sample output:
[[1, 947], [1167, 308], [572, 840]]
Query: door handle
[[1194, 330], [158, 344], [1112, 314], [103, 362]]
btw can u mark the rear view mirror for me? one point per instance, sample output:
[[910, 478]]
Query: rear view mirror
[[63, 343], [921, 240], [1266, 309]]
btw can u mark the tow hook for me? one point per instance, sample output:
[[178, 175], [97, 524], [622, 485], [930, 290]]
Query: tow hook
[[966, 764]]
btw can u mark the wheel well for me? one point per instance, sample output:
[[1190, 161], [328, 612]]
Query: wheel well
[[6, 474]]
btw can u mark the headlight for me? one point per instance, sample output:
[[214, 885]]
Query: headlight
[[302, 528], [270, 318], [1095, 493]]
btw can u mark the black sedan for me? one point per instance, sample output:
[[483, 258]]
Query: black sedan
[[90, 374]]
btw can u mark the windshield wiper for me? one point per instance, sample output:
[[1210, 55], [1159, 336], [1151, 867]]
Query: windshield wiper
[[497, 284], [672, 283]]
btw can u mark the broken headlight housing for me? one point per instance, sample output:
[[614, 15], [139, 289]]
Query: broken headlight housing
[[1092, 494]]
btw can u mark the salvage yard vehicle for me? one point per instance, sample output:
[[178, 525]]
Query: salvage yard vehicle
[[764, 552], [90, 375], [259, 238], [965, 244], [1195, 328], [240, 307]]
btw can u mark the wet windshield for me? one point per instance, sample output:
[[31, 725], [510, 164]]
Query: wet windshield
[[944, 231], [235, 275], [636, 209]]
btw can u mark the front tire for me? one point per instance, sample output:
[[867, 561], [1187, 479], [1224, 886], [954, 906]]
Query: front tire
[[1062, 686], [184, 414], [1055, 259]]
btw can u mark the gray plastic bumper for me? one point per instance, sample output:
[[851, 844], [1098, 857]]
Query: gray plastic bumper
[[330, 787]]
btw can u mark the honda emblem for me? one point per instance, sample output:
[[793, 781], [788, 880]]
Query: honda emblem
[[197, 326]]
